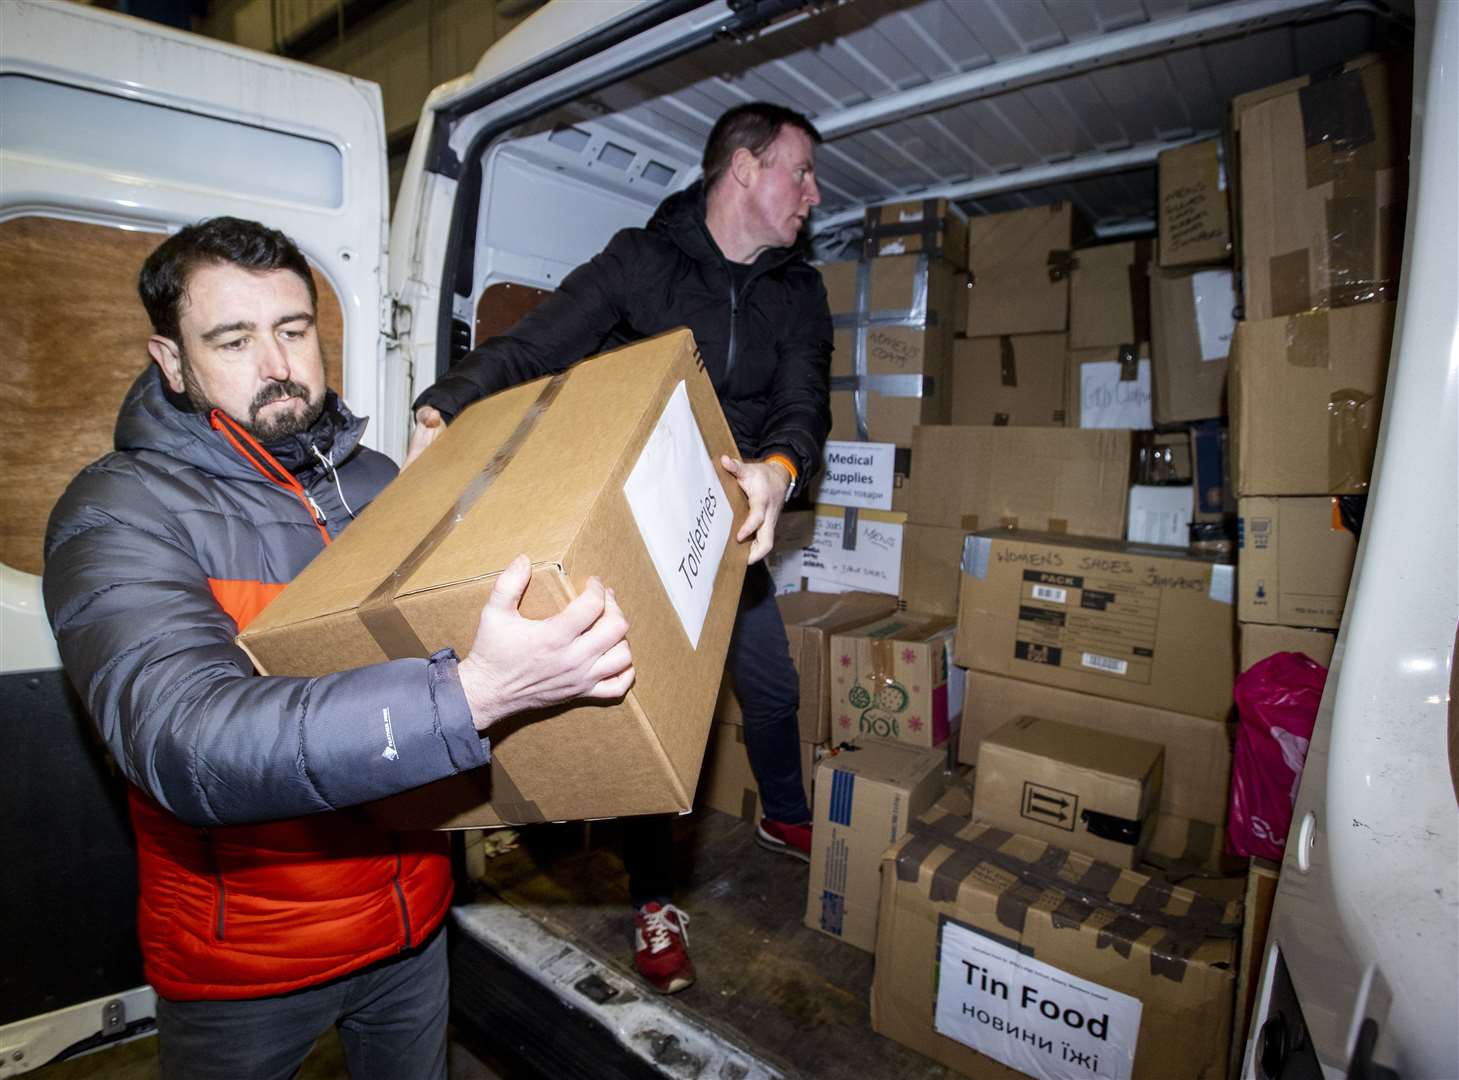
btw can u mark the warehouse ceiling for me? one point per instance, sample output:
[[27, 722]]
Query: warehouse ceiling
[[999, 103]]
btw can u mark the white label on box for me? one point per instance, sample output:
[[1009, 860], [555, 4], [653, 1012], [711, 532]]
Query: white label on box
[[1160, 515], [1051, 594], [786, 568], [1107, 401], [873, 563], [681, 511], [1030, 1015], [858, 474], [1215, 300], [1104, 663]]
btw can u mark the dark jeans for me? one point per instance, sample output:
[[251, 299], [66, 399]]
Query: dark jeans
[[768, 687], [391, 1019]]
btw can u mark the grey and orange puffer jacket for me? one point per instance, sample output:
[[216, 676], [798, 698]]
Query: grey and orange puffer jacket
[[256, 876]]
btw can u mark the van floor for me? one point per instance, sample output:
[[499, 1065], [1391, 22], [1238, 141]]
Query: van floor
[[794, 997]]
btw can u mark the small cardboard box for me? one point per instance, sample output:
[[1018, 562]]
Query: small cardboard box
[[995, 958], [1019, 262], [1259, 640], [1073, 786], [1014, 380], [931, 226], [1294, 559], [1323, 186], [931, 565], [1195, 220], [1109, 295], [893, 319], [890, 679], [1191, 325], [608, 469], [1306, 398], [1151, 625], [810, 620], [727, 783], [855, 550], [1109, 387], [1197, 749], [866, 795], [1061, 480]]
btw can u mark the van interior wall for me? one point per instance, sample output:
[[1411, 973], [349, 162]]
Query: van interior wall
[[75, 338]]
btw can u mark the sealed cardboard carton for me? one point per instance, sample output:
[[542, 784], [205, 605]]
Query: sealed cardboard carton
[[1074, 786], [1109, 295], [1259, 640], [996, 958], [930, 226], [931, 565], [1197, 750], [1019, 262], [1151, 625], [1195, 221], [810, 620], [1294, 559], [1031, 478], [890, 679], [893, 318], [1323, 186], [1109, 387], [1181, 846], [1191, 324], [1306, 397], [866, 795], [608, 469], [1013, 380], [727, 783]]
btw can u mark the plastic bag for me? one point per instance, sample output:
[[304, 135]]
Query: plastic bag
[[1276, 703]]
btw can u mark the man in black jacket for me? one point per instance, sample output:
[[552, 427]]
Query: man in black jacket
[[719, 257]]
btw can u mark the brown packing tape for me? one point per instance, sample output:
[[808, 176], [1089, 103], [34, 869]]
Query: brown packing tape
[[1351, 229], [1335, 111], [395, 636], [969, 523], [927, 835], [1008, 521], [1058, 525], [1000, 419], [1013, 902], [1129, 357], [883, 662], [507, 800], [1140, 291], [1306, 341], [1061, 263], [1290, 282], [1096, 883], [1125, 929], [1351, 432], [1007, 361]]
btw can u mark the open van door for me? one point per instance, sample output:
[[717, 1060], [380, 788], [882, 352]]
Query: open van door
[[117, 131]]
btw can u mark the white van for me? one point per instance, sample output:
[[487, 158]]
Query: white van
[[113, 131]]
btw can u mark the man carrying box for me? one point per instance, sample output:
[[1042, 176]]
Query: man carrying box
[[271, 910], [720, 258]]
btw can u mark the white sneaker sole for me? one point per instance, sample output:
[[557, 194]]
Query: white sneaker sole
[[780, 847]]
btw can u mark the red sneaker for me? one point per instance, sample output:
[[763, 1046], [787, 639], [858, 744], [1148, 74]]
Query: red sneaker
[[660, 947], [792, 840]]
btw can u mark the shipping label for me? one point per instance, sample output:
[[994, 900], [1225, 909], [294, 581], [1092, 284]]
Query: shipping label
[[679, 505], [1088, 622], [1108, 400], [867, 558], [1030, 1015]]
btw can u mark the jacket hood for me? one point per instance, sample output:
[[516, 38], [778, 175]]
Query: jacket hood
[[681, 217], [153, 418]]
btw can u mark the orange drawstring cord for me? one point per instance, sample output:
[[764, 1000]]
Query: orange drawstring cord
[[251, 452]]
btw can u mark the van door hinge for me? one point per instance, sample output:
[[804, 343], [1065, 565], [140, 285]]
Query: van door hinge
[[397, 320]]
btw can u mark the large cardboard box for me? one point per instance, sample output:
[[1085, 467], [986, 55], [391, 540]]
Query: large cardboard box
[[1013, 380], [1195, 220], [608, 469], [1259, 640], [1294, 559], [994, 954], [930, 226], [866, 794], [727, 783], [1197, 749], [932, 558], [894, 325], [890, 679], [1151, 625], [1019, 261], [1109, 387], [810, 620], [1031, 478], [1323, 183], [1073, 786], [1109, 295], [1306, 398], [1191, 325]]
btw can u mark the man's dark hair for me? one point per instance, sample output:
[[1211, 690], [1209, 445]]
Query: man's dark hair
[[162, 283], [753, 126]]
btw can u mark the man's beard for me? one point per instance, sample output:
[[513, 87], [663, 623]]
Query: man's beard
[[279, 426]]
